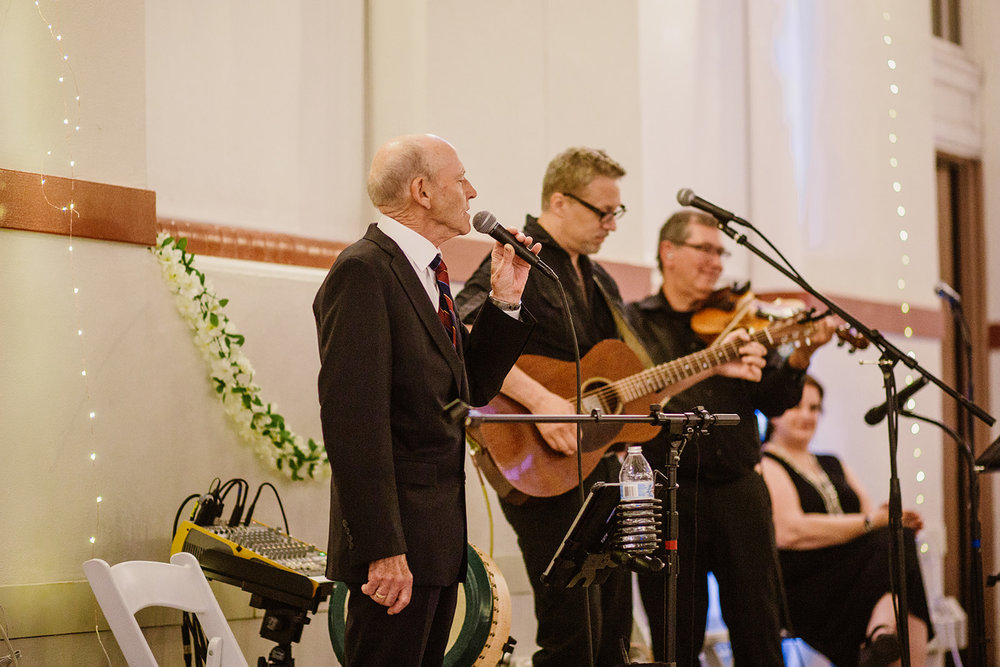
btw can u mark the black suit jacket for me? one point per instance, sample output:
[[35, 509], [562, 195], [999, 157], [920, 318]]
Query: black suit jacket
[[388, 368]]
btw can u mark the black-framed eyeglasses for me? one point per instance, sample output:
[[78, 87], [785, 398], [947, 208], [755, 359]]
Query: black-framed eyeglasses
[[605, 216], [708, 249]]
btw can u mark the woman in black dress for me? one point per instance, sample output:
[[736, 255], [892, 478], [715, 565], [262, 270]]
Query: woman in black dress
[[834, 549]]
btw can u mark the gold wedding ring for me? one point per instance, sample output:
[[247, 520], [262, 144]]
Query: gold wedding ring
[[379, 595]]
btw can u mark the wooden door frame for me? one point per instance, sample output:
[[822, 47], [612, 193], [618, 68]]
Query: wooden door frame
[[961, 251]]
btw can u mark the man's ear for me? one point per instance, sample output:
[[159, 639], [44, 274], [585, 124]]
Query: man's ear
[[418, 192], [558, 203], [666, 251]]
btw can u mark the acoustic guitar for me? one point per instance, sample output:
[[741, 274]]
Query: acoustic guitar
[[514, 456]]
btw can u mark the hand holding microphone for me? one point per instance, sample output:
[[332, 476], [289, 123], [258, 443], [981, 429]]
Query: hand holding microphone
[[486, 223]]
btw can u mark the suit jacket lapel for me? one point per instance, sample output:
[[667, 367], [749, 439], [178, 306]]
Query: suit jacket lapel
[[415, 292]]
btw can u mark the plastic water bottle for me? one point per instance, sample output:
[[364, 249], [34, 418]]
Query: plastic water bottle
[[636, 476]]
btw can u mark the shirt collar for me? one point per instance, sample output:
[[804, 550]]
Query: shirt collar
[[417, 249]]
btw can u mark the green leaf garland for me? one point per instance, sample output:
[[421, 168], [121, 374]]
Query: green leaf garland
[[231, 373]]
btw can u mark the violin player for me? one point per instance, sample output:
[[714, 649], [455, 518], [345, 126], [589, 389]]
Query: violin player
[[724, 509]]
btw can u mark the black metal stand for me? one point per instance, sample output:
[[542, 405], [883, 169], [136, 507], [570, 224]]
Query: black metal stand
[[891, 355], [283, 624], [586, 554]]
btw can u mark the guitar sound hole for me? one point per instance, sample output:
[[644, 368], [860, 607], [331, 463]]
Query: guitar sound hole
[[598, 396]]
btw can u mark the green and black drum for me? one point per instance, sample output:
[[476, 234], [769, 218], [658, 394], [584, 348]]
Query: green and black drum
[[482, 618]]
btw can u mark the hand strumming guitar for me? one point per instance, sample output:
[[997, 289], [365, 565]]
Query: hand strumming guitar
[[540, 401]]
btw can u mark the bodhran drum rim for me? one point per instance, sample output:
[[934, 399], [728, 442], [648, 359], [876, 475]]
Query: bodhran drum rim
[[485, 626]]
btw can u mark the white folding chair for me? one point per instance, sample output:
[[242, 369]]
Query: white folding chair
[[127, 587]]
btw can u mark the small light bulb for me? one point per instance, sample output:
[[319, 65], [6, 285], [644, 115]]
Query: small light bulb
[[892, 137], [920, 501], [93, 456], [905, 307], [908, 332], [901, 284], [99, 499], [892, 64], [892, 113], [894, 89], [83, 373], [917, 452], [893, 162], [93, 539], [93, 414], [920, 476], [887, 39], [900, 211], [79, 332], [897, 186], [905, 259]]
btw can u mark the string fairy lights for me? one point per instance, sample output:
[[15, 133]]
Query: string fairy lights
[[895, 137], [59, 158]]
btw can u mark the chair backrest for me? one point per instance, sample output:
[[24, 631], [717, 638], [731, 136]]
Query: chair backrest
[[127, 587]]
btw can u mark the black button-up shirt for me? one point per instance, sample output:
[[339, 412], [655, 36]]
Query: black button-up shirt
[[727, 452]]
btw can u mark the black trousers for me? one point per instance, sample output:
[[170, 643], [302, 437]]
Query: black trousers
[[541, 524], [725, 529], [415, 637]]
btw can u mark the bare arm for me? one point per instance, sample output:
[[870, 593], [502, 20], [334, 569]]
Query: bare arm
[[538, 400], [795, 529]]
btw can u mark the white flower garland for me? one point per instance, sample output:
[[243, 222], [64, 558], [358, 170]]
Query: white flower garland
[[257, 423]]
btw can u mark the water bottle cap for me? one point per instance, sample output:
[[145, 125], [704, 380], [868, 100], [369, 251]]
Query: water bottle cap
[[635, 449]]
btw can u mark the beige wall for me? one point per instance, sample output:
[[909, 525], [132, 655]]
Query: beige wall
[[265, 117]]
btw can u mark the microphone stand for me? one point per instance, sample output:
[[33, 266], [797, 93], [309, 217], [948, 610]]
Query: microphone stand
[[682, 427], [974, 584], [891, 355]]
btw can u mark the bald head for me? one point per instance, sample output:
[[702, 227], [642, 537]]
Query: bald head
[[397, 162]]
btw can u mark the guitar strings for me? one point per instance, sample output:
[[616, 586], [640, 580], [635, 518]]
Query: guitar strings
[[661, 376]]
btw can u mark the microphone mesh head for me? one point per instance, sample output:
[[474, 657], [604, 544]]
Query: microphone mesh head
[[484, 222], [685, 196]]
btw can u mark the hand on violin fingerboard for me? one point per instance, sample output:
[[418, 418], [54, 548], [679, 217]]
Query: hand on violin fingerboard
[[821, 334]]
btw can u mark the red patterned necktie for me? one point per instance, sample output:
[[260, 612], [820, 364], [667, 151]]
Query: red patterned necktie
[[446, 307]]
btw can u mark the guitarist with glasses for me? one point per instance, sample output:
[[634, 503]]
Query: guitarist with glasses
[[581, 205], [724, 508]]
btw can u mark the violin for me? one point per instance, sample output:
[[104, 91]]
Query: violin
[[737, 307]]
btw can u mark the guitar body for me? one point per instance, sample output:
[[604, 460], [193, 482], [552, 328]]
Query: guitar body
[[515, 457], [519, 463]]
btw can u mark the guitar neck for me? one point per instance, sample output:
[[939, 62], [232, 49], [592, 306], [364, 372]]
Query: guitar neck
[[658, 378]]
